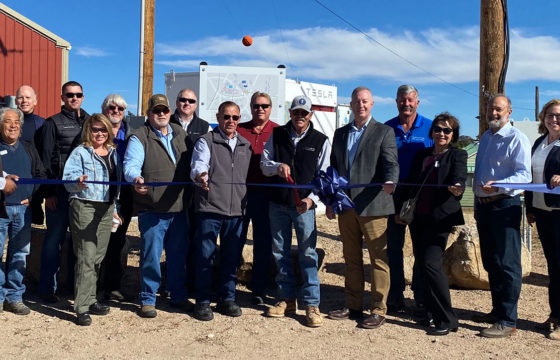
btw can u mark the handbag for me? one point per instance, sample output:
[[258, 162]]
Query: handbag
[[409, 206]]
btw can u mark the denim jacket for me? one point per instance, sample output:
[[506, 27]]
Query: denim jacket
[[84, 161]]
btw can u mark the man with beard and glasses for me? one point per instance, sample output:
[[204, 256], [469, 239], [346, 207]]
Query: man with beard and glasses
[[504, 156], [114, 108], [412, 135]]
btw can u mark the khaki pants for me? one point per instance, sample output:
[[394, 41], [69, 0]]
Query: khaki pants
[[353, 228], [90, 223]]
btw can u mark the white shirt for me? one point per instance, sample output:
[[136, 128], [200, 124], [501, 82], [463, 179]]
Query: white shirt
[[538, 161]]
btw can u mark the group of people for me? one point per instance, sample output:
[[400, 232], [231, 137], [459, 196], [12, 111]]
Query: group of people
[[227, 164]]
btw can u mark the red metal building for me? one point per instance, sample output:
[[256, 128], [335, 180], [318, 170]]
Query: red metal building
[[32, 55]]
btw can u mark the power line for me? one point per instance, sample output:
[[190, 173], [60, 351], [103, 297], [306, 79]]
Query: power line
[[392, 51]]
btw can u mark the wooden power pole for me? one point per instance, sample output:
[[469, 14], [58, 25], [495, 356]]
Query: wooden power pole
[[148, 55], [492, 52]]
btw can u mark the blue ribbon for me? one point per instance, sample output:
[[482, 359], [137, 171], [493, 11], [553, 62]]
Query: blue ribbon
[[542, 188], [328, 187]]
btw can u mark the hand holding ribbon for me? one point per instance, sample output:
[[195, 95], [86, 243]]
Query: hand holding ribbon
[[327, 185]]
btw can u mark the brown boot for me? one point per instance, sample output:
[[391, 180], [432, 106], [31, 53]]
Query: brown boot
[[282, 308]]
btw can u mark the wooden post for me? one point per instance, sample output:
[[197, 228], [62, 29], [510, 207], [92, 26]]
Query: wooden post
[[148, 67], [492, 49]]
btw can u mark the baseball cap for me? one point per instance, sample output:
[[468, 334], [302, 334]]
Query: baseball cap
[[301, 102], [157, 100]]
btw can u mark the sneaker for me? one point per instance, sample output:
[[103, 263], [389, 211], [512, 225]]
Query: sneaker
[[148, 311], [489, 318], [17, 307], [313, 316], [203, 312], [282, 308], [498, 331], [229, 308]]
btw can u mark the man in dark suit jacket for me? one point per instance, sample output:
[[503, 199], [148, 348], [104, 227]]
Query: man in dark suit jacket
[[365, 151]]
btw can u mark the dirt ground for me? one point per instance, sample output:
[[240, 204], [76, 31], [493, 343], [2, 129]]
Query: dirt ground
[[50, 332]]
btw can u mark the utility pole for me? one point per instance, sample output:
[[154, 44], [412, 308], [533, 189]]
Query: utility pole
[[492, 53], [147, 55]]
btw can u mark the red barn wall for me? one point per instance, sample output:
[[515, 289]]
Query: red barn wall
[[29, 58]]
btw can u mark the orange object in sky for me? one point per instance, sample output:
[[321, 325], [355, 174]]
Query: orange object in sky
[[247, 40]]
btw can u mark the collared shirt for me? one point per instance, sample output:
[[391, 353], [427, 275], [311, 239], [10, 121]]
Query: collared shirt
[[504, 156], [135, 154], [538, 161], [409, 143], [354, 137], [200, 161], [269, 167], [257, 140]]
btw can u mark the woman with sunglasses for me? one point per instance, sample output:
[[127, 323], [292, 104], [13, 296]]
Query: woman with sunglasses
[[544, 209], [437, 211], [92, 209]]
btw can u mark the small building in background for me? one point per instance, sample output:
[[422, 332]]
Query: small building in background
[[31, 55]]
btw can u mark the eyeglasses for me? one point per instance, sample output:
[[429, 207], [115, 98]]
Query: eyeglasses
[[71, 95], [113, 107], [234, 117], [262, 106], [552, 116], [190, 101], [96, 130], [446, 131], [160, 110]]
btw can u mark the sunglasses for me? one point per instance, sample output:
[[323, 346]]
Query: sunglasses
[[262, 106], [160, 110], [71, 95], [113, 107], [190, 101], [96, 130], [234, 117], [446, 131], [300, 112]]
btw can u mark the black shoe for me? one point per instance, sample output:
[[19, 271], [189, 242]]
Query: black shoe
[[186, 305], [203, 312], [84, 319], [98, 309], [396, 306], [114, 295], [50, 298], [436, 331], [426, 321], [258, 299], [229, 308]]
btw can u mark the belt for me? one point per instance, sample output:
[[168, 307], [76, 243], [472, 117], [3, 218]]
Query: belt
[[491, 199]]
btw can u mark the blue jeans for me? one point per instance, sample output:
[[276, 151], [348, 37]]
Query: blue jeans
[[257, 214], [282, 218], [57, 224], [209, 225], [18, 227], [395, 243], [498, 225], [161, 231]]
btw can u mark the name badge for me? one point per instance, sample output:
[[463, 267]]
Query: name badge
[[309, 148], [3, 152]]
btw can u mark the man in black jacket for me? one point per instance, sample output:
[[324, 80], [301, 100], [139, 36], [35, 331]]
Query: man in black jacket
[[59, 135]]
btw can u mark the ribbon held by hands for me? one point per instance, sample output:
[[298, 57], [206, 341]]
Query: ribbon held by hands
[[328, 186], [291, 181]]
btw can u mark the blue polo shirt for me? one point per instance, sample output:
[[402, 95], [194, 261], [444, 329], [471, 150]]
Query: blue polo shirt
[[410, 143]]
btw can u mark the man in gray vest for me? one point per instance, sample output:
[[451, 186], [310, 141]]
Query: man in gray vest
[[219, 166], [156, 152]]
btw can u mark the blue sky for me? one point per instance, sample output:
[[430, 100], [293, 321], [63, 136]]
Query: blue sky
[[439, 37]]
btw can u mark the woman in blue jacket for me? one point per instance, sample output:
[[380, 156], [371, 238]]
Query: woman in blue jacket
[[92, 209]]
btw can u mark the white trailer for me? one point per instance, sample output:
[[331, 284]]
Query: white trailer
[[215, 84]]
